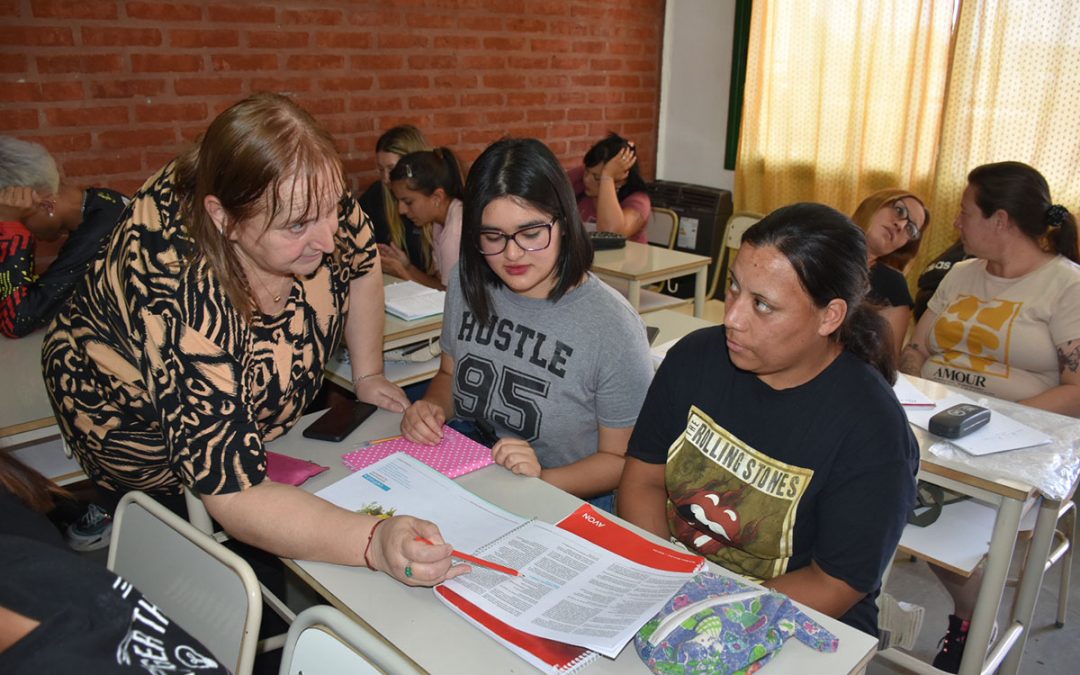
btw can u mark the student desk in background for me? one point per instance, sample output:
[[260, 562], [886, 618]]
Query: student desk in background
[[638, 264], [1009, 495], [441, 641]]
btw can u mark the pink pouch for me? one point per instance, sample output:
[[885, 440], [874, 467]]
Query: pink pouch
[[290, 470]]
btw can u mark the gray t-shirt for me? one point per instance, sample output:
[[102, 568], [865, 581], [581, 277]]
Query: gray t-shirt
[[549, 372]]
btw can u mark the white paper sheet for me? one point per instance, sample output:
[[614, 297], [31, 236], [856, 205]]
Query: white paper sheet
[[909, 396], [1000, 434]]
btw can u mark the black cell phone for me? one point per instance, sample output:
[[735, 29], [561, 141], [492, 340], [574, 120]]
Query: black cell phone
[[339, 421], [959, 420], [651, 332]]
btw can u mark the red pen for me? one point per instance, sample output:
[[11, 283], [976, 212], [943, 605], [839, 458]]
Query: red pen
[[476, 561]]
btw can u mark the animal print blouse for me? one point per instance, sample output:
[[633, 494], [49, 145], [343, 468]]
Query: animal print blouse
[[158, 382]]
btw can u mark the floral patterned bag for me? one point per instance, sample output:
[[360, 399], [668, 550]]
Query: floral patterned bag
[[718, 624]]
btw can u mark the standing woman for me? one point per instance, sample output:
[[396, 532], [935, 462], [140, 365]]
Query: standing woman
[[893, 221], [611, 194], [428, 189], [379, 203], [203, 330], [773, 444], [534, 344]]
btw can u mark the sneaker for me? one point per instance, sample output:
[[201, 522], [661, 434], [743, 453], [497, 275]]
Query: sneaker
[[951, 647], [91, 531]]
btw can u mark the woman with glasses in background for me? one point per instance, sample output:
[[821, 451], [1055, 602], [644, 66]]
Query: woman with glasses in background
[[893, 221], [534, 345]]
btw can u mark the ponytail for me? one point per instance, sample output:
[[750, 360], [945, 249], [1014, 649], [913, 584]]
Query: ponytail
[[1061, 232], [866, 335]]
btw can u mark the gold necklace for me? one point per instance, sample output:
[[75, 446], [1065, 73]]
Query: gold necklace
[[276, 297]]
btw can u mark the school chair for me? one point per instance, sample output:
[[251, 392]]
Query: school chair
[[662, 228], [324, 641], [1061, 551], [736, 226], [199, 584]]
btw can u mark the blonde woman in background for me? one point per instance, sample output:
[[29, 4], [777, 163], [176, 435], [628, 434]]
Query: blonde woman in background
[[392, 228]]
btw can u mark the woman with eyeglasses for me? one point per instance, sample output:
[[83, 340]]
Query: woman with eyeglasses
[[611, 195], [893, 221], [533, 344], [427, 186]]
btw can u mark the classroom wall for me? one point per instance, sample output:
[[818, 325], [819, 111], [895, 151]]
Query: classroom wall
[[116, 88], [694, 92]]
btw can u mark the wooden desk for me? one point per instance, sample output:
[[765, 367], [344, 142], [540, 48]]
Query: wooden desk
[[439, 640], [638, 264], [673, 325], [1008, 494]]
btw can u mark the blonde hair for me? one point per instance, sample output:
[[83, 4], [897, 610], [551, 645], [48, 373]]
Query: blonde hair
[[249, 152], [402, 140]]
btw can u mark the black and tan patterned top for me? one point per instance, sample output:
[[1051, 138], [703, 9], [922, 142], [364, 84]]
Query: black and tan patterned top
[[157, 380]]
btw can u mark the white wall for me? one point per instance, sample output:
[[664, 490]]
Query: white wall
[[694, 87]]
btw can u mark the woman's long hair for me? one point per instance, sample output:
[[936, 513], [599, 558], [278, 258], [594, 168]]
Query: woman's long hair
[[250, 158], [607, 148], [828, 253], [899, 258], [400, 140]]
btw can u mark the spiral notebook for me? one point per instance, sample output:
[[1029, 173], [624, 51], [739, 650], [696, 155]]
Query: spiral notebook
[[455, 455]]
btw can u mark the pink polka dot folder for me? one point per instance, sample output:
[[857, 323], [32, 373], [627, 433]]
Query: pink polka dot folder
[[455, 455]]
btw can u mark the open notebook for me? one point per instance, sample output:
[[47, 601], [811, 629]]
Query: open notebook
[[409, 300]]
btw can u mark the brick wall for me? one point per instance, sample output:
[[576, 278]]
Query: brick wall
[[115, 88]]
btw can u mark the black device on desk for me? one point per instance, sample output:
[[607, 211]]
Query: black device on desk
[[339, 421], [959, 420], [605, 240]]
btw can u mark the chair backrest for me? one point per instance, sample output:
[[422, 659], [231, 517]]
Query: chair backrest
[[198, 583], [737, 225], [324, 641], [663, 227]]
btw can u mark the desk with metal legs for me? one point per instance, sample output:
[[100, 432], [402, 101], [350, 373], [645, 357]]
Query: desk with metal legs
[[639, 264]]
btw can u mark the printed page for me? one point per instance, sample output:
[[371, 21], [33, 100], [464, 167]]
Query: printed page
[[402, 485], [1000, 434], [569, 590]]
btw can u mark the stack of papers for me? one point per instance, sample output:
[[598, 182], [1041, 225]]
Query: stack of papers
[[409, 300]]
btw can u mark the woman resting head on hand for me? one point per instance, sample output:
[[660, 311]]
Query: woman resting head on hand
[[553, 359], [774, 445], [611, 193]]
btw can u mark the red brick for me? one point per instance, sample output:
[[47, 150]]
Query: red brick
[[21, 91], [550, 45], [563, 62], [547, 7], [568, 28], [73, 9], [203, 38], [455, 81], [192, 134], [163, 11], [314, 62], [352, 40], [424, 21], [480, 23], [35, 36], [19, 119], [246, 61], [80, 63], [374, 18], [527, 62], [504, 116], [322, 105], [429, 101], [433, 62], [13, 63], [545, 115], [126, 88], [320, 17], [481, 100], [566, 130], [153, 160], [503, 44], [101, 165], [526, 25], [84, 116], [624, 81], [9, 7], [381, 104], [136, 138], [522, 99], [483, 62], [403, 81], [243, 14], [166, 63], [588, 47], [588, 80], [565, 96], [605, 97], [584, 114], [120, 36], [376, 62], [350, 83], [200, 86], [127, 186], [277, 39], [457, 42], [402, 41], [281, 84], [59, 143], [605, 64], [170, 112], [504, 81], [459, 120], [62, 91]]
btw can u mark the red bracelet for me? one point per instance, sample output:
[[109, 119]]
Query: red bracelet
[[371, 535]]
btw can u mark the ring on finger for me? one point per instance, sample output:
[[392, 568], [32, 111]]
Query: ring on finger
[[408, 570]]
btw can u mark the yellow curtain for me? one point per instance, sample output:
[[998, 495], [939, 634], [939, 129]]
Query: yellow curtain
[[842, 98], [1012, 95]]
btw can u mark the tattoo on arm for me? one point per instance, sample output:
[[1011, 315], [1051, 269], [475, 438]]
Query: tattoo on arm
[[1069, 361]]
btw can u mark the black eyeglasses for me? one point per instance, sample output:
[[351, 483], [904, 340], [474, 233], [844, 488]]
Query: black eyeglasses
[[910, 227], [531, 238]]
